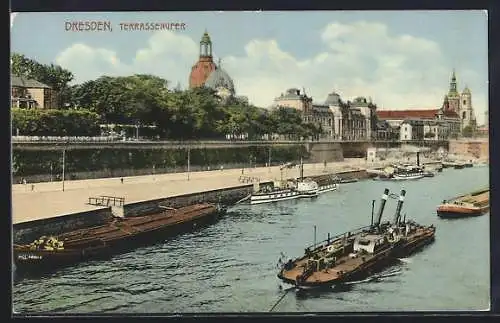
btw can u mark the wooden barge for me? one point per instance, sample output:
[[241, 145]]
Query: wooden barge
[[358, 253], [121, 234], [473, 204]]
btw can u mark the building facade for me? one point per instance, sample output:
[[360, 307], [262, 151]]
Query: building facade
[[338, 120], [317, 114], [461, 103], [31, 94]]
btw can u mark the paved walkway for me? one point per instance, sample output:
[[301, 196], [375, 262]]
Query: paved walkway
[[48, 200]]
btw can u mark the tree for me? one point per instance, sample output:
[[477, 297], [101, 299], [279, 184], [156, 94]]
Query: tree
[[467, 131], [429, 134]]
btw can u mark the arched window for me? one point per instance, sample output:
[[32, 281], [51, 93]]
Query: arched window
[[463, 115]]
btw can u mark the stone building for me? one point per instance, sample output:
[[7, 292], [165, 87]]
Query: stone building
[[30, 94], [319, 115], [461, 103], [206, 73], [352, 120]]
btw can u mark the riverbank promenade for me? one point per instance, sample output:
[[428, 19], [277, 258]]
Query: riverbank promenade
[[48, 200]]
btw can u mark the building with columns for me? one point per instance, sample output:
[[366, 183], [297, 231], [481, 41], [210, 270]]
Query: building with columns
[[339, 120]]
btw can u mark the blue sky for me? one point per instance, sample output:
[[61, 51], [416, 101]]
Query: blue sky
[[401, 59]]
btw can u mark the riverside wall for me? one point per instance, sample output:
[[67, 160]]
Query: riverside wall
[[26, 232]]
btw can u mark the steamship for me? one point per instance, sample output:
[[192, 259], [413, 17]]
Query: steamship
[[357, 253]]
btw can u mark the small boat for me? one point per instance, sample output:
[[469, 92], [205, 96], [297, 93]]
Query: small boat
[[289, 190], [47, 253], [283, 192], [459, 165], [401, 172], [357, 253], [473, 204]]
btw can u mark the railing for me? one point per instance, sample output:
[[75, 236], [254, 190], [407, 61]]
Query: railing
[[346, 234], [107, 201]]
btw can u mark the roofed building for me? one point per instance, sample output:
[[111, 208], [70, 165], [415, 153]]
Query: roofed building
[[30, 94]]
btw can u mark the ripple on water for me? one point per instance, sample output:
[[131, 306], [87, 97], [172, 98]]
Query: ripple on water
[[231, 266]]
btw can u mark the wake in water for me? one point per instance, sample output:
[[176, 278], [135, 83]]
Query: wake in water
[[377, 277]]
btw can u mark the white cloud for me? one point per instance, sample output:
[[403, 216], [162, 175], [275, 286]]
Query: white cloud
[[362, 58]]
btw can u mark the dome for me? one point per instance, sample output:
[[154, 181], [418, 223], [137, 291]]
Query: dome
[[201, 71], [466, 91], [220, 79], [332, 99]]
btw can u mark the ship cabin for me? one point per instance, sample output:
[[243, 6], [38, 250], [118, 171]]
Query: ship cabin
[[369, 244]]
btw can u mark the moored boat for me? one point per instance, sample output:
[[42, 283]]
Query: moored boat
[[473, 204], [357, 253], [121, 234]]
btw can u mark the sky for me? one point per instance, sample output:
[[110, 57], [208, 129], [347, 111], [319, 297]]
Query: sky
[[399, 59]]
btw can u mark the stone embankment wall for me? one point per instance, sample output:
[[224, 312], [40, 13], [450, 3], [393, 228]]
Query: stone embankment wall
[[225, 196], [26, 232], [119, 173]]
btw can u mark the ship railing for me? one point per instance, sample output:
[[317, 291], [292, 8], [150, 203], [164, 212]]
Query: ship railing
[[348, 234]]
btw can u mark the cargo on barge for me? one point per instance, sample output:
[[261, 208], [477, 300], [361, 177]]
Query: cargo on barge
[[121, 234], [358, 253], [473, 204]]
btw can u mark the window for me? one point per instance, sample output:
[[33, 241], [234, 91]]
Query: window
[[465, 102], [463, 115]]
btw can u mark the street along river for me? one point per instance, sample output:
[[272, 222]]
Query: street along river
[[231, 265]]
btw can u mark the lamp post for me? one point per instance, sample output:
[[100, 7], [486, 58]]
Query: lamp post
[[51, 171], [63, 167], [189, 162], [269, 160]]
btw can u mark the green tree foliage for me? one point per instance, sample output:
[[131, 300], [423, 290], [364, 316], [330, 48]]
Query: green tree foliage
[[146, 99], [467, 131], [39, 122], [53, 75]]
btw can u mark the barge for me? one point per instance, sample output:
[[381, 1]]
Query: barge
[[473, 204], [121, 234], [357, 253]]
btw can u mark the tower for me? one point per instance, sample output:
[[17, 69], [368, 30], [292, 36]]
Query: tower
[[205, 65], [453, 95], [466, 112]]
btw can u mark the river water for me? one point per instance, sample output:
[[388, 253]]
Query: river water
[[231, 265]]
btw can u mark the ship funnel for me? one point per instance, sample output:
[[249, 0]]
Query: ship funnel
[[418, 158], [397, 215], [382, 205]]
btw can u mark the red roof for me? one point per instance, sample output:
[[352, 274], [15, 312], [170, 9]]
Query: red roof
[[412, 114]]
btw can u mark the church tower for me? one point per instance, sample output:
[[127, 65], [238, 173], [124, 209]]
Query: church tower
[[453, 95], [466, 111], [205, 65]]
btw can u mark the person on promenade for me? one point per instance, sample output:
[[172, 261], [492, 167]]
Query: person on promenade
[[121, 180]]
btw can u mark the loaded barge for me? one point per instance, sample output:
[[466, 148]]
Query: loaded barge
[[121, 234], [358, 253], [473, 204]]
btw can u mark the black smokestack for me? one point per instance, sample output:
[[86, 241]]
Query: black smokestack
[[397, 215], [418, 158], [382, 205]]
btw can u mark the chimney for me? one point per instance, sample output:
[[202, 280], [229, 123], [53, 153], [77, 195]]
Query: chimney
[[382, 205], [397, 215]]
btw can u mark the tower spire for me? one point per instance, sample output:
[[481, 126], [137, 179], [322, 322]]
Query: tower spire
[[453, 84]]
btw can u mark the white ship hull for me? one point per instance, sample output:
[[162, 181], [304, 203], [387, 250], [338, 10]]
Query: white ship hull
[[407, 177], [327, 188], [274, 197]]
